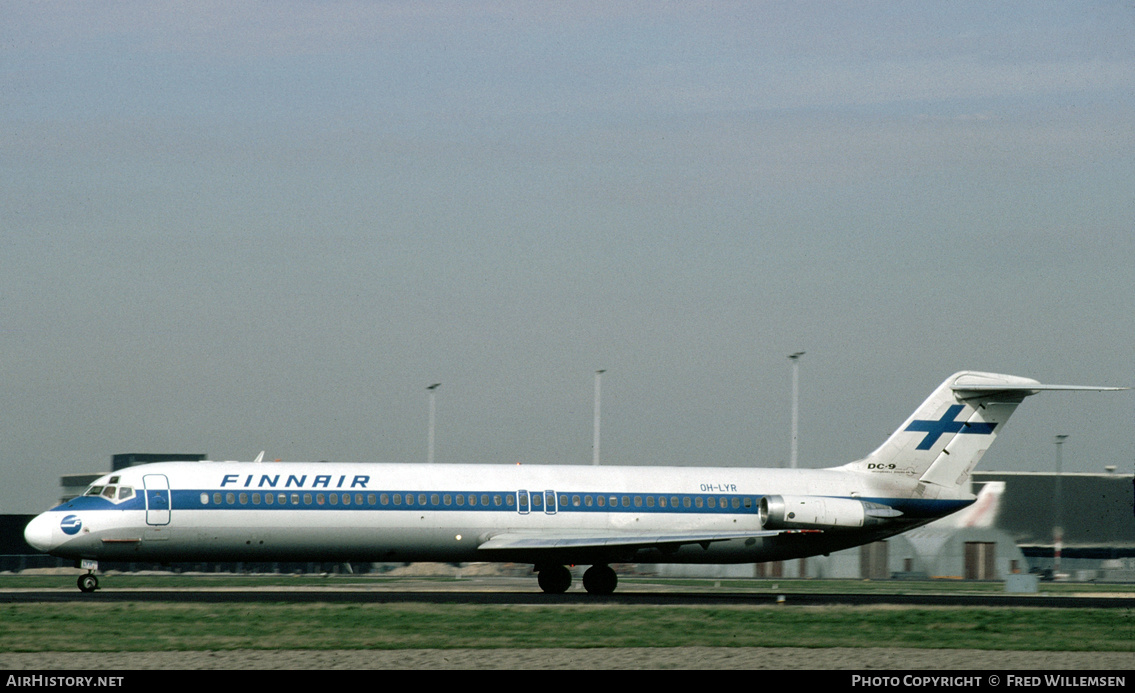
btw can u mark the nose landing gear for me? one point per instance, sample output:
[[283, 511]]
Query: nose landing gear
[[89, 582]]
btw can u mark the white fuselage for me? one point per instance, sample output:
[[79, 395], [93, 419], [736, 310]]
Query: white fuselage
[[191, 511]]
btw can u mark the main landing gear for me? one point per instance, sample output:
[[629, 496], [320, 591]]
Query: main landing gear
[[598, 579]]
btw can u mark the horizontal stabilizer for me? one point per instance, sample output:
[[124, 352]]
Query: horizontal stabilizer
[[982, 385]]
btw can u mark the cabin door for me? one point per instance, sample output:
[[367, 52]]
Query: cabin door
[[157, 499], [535, 502]]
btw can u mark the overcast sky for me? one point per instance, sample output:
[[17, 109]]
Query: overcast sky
[[230, 227]]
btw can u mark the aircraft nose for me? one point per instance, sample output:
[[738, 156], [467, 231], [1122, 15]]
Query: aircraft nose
[[40, 532]]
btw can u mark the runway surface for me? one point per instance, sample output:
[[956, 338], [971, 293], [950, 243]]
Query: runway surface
[[525, 592]]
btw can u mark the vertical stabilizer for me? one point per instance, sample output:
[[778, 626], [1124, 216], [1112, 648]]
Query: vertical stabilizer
[[945, 438]]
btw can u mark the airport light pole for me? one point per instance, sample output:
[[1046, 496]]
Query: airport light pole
[[795, 358], [1057, 528], [432, 389], [595, 439]]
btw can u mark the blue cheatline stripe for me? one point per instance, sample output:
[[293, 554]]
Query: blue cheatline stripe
[[492, 501], [443, 501], [309, 500]]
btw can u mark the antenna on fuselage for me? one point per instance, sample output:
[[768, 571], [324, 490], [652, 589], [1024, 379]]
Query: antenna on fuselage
[[260, 457]]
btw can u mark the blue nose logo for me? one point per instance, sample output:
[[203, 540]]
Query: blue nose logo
[[71, 524]]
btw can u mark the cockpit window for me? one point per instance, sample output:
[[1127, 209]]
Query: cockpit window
[[115, 494]]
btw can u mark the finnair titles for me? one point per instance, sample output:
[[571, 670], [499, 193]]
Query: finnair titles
[[550, 516]]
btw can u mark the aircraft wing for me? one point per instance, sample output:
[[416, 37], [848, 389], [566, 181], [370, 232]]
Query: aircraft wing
[[549, 540]]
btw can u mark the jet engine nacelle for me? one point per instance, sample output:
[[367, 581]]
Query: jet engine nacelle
[[819, 512]]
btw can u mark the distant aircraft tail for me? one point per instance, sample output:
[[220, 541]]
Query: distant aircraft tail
[[983, 512], [945, 438]]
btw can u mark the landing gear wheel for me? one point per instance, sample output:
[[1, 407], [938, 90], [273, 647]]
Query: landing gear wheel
[[88, 583], [554, 579], [600, 579]]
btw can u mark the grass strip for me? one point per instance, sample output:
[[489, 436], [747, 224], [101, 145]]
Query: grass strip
[[165, 627]]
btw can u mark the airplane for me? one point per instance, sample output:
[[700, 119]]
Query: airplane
[[551, 516]]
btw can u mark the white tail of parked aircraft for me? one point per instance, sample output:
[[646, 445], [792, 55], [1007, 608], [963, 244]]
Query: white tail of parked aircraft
[[983, 513], [549, 516]]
